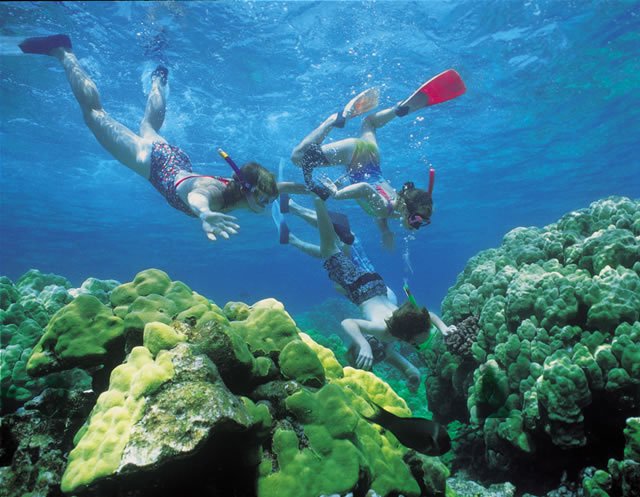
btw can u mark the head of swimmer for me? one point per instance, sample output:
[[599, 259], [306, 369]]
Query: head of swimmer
[[410, 324], [418, 204], [262, 183]]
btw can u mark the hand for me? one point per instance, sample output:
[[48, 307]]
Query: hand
[[450, 330], [388, 242], [365, 356], [330, 185], [216, 224]]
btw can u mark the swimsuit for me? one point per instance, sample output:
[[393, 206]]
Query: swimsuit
[[359, 284], [314, 157], [365, 168], [167, 162], [378, 349], [365, 163]]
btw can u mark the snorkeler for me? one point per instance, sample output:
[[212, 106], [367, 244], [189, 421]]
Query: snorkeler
[[167, 167], [361, 157], [383, 319]]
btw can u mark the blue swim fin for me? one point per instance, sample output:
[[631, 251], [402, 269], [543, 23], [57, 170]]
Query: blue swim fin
[[284, 233], [44, 44], [284, 203]]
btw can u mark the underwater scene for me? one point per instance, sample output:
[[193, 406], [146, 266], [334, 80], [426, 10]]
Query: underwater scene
[[320, 248]]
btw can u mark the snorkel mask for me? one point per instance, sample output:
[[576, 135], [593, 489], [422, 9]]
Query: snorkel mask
[[424, 345], [416, 221], [256, 204]]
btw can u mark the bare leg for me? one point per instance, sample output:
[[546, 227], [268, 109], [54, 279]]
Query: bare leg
[[304, 213], [375, 121], [125, 146], [156, 107], [308, 248], [328, 237], [308, 155], [317, 136]]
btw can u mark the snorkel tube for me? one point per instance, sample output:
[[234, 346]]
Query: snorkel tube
[[410, 296], [245, 186], [424, 345]]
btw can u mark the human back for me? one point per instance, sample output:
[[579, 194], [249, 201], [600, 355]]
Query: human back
[[377, 310]]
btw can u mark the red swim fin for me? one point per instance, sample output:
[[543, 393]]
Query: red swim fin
[[445, 86]]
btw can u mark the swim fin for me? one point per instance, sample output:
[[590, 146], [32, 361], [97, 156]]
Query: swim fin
[[445, 86], [279, 207], [342, 227], [284, 203], [361, 103], [44, 44], [162, 73], [284, 233]]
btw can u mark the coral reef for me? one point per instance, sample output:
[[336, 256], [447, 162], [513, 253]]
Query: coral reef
[[554, 371], [149, 388], [203, 399], [462, 337], [622, 477], [26, 308]]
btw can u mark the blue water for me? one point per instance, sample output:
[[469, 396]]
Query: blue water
[[549, 123]]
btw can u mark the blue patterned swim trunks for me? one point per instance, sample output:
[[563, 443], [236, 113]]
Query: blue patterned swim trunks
[[359, 284]]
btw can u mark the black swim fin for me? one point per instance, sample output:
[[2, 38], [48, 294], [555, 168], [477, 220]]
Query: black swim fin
[[342, 227], [284, 233], [44, 44], [162, 73]]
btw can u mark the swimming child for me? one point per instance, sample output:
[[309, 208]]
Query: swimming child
[[167, 167], [383, 319], [361, 157], [351, 247]]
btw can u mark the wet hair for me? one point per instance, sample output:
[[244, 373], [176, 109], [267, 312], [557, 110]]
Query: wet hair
[[257, 176], [417, 200], [408, 321]]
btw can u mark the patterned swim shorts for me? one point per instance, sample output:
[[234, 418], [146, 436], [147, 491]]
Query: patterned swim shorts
[[359, 284]]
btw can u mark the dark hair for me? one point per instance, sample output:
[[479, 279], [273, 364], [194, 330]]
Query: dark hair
[[257, 176], [408, 321], [417, 200]]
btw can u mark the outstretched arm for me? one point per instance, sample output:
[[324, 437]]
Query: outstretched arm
[[214, 224], [292, 188], [388, 242], [439, 324], [369, 192], [354, 191]]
